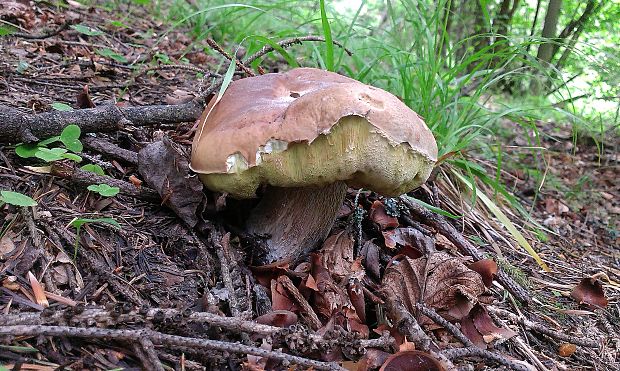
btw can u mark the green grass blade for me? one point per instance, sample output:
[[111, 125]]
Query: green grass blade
[[499, 214], [327, 33]]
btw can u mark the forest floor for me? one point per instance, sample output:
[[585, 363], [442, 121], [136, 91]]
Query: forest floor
[[154, 272]]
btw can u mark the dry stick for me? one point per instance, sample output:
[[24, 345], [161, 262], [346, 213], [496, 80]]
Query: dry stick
[[110, 149], [83, 178], [18, 126], [456, 353], [161, 339], [311, 316], [149, 350], [105, 318], [287, 43], [542, 329], [448, 230], [29, 36], [430, 313], [240, 65], [217, 240]]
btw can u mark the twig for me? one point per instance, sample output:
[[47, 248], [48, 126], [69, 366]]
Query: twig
[[83, 178], [446, 229], [219, 241], [30, 36], [311, 316], [406, 323], [161, 339], [559, 335], [239, 64], [430, 313], [456, 353], [18, 126], [103, 146], [149, 350], [287, 43]]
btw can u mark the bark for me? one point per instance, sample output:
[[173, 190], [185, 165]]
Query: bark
[[545, 50], [17, 126], [295, 219]]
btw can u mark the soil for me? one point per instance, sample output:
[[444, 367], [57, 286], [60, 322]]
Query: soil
[[170, 266]]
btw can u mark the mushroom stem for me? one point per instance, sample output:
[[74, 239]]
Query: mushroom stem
[[296, 219]]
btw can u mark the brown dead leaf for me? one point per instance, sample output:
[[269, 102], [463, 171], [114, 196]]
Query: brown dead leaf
[[337, 254], [356, 295], [370, 255], [329, 296], [566, 349], [555, 206], [408, 237], [486, 268], [486, 327], [280, 299], [380, 217], [372, 360], [278, 318], [179, 97], [6, 246], [165, 167], [84, 100], [411, 360], [440, 282], [590, 292]]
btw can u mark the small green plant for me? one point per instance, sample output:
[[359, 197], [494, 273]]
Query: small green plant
[[78, 223], [93, 169], [70, 138], [16, 199], [109, 53], [104, 189], [88, 31], [63, 107]]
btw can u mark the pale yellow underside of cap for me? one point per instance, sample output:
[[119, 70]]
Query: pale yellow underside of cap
[[353, 151]]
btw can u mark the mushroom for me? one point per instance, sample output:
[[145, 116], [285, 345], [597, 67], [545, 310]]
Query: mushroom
[[303, 136]]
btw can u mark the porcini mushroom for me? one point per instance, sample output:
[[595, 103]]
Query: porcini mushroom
[[305, 135]]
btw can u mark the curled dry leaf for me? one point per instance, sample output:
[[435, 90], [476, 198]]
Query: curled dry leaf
[[479, 327], [380, 217], [487, 268], [278, 318], [84, 100], [411, 360], [441, 282], [370, 255], [165, 167], [590, 292], [409, 238]]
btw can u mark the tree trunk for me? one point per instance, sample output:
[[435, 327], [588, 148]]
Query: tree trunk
[[545, 50], [574, 30]]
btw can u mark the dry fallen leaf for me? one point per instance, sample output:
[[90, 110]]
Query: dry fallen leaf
[[337, 254], [278, 318], [442, 282], [479, 327], [566, 349], [380, 217], [590, 292], [372, 360], [164, 167], [487, 268], [409, 237]]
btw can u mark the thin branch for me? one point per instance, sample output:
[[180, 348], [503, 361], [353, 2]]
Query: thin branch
[[239, 64], [159, 338], [289, 42], [456, 353]]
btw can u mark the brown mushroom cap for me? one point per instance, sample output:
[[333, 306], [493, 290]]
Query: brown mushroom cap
[[311, 127]]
